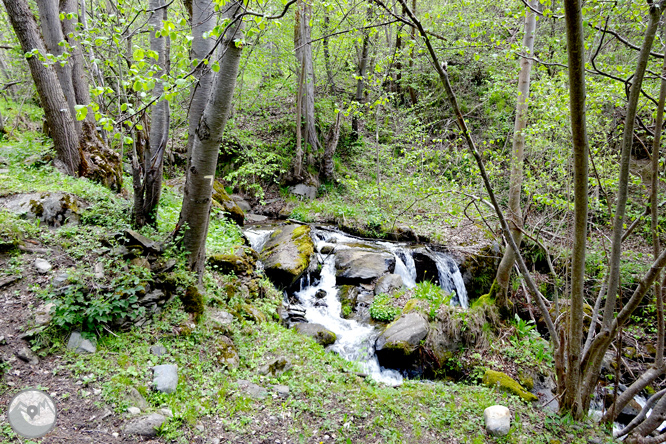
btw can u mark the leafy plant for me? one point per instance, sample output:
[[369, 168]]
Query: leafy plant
[[382, 310]]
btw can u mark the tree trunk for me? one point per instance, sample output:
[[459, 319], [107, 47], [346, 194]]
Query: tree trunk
[[331, 145], [79, 80], [159, 126], [203, 21], [195, 212], [298, 157], [515, 215], [362, 68], [49, 16], [56, 109], [303, 47], [327, 55]]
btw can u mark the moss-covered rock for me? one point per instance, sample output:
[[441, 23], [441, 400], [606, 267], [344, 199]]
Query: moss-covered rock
[[507, 384], [288, 254], [241, 262], [193, 301], [397, 345], [318, 332], [226, 354], [222, 200], [479, 271], [347, 295], [253, 313]]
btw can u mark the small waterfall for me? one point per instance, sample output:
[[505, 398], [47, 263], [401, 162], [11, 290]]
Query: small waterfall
[[450, 278], [257, 238]]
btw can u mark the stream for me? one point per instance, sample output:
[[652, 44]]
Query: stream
[[317, 296]]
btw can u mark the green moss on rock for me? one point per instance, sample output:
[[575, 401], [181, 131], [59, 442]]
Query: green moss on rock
[[193, 301], [222, 200], [507, 384]]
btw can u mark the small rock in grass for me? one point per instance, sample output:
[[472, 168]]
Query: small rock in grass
[[134, 411], [165, 378], [281, 390], [144, 425], [158, 350], [80, 345], [136, 399], [252, 390], [98, 270], [42, 265], [167, 412], [498, 420], [26, 354]]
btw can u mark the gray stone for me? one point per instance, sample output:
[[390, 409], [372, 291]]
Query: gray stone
[[53, 208], [98, 271], [166, 412], [320, 294], [43, 314], [226, 353], [281, 390], [80, 345], [60, 280], [3, 341], [26, 354], [134, 411], [158, 350], [165, 378], [396, 345], [251, 390], [318, 332], [144, 425], [42, 265], [302, 190], [275, 367], [221, 319], [389, 283], [287, 254], [255, 218], [136, 399], [498, 420], [354, 266], [132, 239], [242, 203]]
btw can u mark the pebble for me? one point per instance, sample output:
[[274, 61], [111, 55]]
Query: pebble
[[158, 350], [42, 265], [26, 354], [165, 378], [80, 345], [144, 425], [167, 412]]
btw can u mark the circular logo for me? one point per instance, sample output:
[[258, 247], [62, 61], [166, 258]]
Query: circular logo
[[32, 413]]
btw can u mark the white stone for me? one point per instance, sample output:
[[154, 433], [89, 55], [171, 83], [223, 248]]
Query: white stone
[[133, 411], [42, 265], [498, 420]]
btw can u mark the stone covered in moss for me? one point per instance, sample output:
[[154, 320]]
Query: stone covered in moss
[[317, 332], [240, 262], [193, 301], [397, 345], [53, 209], [226, 354], [505, 383], [347, 295], [479, 271], [287, 254], [222, 200]]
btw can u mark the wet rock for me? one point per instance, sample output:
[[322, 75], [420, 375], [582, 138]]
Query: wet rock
[[144, 425], [222, 200], [53, 209], [304, 191], [137, 400], [241, 262], [26, 354], [389, 283], [318, 332], [226, 353], [251, 390], [287, 254], [165, 378], [294, 314], [498, 420], [320, 294], [275, 367], [79, 344], [356, 266], [320, 304], [327, 249], [505, 383], [42, 265], [396, 345], [158, 350], [255, 218]]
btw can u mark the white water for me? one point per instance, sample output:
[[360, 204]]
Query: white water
[[355, 341]]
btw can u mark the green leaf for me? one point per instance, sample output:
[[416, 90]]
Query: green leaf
[[139, 54], [81, 111], [127, 140], [215, 67]]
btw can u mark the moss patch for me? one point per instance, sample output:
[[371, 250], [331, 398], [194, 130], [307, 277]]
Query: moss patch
[[505, 383], [193, 301]]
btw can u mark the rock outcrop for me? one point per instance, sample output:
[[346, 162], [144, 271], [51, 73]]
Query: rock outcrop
[[356, 266], [287, 254], [222, 200], [396, 346]]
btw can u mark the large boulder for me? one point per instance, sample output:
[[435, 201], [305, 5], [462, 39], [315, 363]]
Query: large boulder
[[356, 266], [287, 254], [222, 200], [396, 346], [53, 209], [389, 283]]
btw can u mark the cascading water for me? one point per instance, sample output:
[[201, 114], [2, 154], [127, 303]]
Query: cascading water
[[320, 302]]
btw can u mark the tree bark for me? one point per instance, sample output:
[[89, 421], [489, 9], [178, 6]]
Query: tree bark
[[56, 109], [331, 145], [195, 212], [79, 80], [362, 68], [203, 21], [515, 215], [303, 47], [49, 16], [327, 55]]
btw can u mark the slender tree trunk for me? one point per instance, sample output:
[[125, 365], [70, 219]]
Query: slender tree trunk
[[49, 15], [362, 68], [159, 125], [56, 109], [302, 31], [298, 157], [331, 145], [79, 80], [203, 21], [410, 88], [327, 55], [195, 212], [515, 215]]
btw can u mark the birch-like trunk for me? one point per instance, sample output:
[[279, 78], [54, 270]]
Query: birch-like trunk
[[327, 55], [56, 109], [514, 214], [362, 68], [331, 145], [49, 16], [303, 47], [203, 21], [195, 213], [79, 80]]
